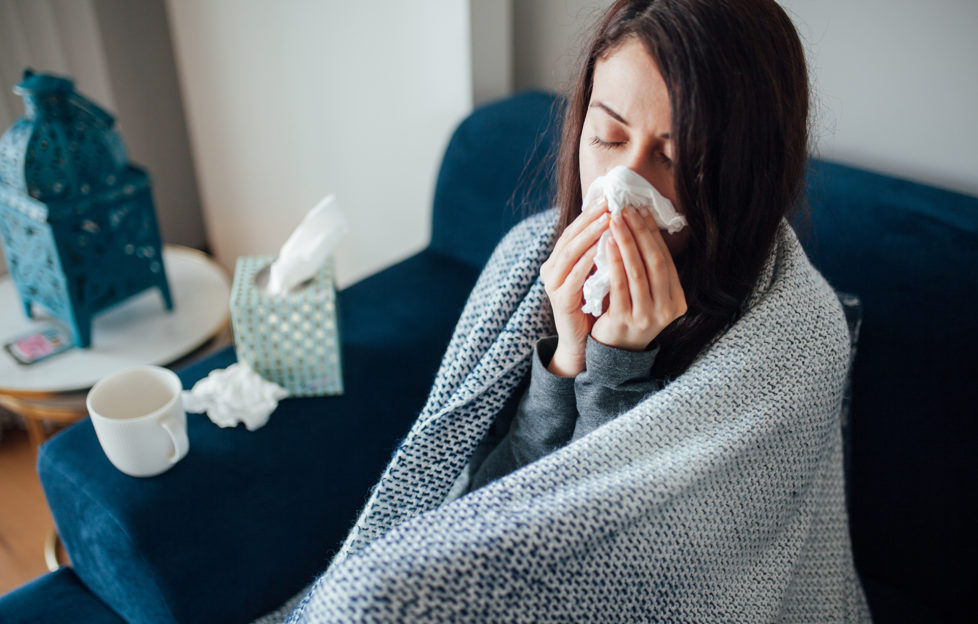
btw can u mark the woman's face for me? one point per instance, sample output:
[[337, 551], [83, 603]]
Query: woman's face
[[628, 123]]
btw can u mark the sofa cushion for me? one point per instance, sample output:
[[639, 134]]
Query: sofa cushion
[[889, 605]]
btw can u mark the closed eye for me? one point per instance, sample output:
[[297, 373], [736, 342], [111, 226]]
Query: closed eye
[[598, 142], [610, 145]]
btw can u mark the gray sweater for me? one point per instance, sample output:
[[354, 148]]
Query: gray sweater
[[553, 411]]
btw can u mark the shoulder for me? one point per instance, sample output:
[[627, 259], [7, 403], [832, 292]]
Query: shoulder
[[799, 310], [824, 324], [810, 287]]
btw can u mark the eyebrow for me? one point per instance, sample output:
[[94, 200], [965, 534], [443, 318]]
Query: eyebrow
[[614, 115]]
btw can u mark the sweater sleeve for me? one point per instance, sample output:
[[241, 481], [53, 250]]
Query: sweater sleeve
[[543, 422], [614, 381]]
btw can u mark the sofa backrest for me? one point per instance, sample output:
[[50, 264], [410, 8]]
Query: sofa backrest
[[909, 251], [497, 170]]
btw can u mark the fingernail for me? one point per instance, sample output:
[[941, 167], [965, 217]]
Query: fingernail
[[617, 217], [603, 218], [631, 211]]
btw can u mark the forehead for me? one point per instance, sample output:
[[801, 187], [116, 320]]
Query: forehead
[[627, 80]]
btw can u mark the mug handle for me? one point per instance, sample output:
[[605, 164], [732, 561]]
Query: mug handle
[[178, 435]]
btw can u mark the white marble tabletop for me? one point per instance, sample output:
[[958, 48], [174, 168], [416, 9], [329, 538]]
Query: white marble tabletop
[[138, 331]]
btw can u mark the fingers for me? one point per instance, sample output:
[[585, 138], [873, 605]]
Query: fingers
[[655, 256], [646, 295], [619, 299], [670, 276], [583, 220], [663, 276], [634, 269], [575, 279], [564, 259], [569, 293]]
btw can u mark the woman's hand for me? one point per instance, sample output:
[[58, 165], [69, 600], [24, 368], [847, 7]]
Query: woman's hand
[[563, 276], [646, 295]]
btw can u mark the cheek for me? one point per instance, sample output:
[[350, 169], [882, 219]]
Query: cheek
[[668, 190], [590, 166]]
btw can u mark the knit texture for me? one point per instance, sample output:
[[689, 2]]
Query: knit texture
[[717, 499]]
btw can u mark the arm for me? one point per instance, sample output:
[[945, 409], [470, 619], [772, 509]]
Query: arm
[[544, 420], [614, 382]]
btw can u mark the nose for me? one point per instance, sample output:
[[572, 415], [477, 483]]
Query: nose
[[644, 161]]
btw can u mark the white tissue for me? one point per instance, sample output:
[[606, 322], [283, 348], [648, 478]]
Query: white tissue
[[235, 394], [622, 187], [308, 247]]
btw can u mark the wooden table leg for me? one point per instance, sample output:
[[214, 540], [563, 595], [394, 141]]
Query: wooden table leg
[[51, 558], [35, 432], [61, 409]]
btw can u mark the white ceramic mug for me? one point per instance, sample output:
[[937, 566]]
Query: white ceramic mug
[[139, 419]]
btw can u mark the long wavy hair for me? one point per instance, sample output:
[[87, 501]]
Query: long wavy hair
[[738, 89]]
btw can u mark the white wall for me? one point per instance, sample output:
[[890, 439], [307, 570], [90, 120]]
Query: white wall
[[290, 100], [548, 39], [895, 80], [138, 51], [491, 32], [896, 85]]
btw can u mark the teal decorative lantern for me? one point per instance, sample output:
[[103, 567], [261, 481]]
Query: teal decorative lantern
[[76, 218]]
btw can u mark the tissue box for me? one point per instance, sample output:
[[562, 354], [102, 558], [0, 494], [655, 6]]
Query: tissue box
[[291, 339]]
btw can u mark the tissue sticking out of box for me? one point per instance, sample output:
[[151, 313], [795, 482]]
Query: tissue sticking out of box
[[622, 187], [308, 247], [234, 395]]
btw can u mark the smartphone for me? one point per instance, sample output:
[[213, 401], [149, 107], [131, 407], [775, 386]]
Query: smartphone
[[39, 345]]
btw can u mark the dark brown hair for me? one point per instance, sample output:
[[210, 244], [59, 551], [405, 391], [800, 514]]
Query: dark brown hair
[[738, 90]]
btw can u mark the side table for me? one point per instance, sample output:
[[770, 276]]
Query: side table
[[137, 331]]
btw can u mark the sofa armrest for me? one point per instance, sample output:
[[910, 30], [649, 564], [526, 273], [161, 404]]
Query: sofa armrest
[[55, 598], [247, 519]]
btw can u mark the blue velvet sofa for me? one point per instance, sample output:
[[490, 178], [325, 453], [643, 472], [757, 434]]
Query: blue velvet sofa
[[249, 518]]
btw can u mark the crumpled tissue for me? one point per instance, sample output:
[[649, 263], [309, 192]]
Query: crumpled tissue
[[236, 394], [622, 187], [307, 248]]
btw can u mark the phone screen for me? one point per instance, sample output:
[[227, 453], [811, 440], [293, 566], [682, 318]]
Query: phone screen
[[39, 345]]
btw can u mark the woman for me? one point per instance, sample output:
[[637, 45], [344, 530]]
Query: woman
[[677, 458], [723, 142]]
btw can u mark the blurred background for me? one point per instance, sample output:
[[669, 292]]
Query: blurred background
[[247, 112]]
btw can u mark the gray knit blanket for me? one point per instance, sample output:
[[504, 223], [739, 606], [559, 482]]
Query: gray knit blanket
[[717, 499]]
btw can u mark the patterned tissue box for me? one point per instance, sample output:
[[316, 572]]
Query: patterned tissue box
[[292, 339]]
